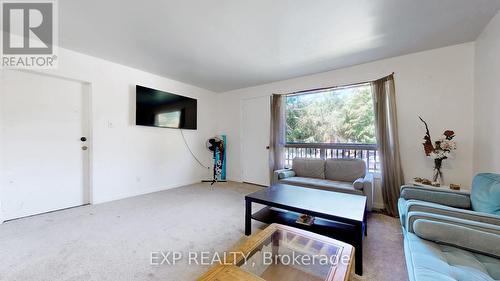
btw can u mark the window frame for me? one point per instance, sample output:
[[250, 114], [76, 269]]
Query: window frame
[[326, 150]]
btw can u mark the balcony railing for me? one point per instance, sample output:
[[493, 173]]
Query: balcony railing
[[367, 152]]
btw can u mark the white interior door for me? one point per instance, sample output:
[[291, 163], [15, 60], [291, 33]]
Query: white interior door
[[255, 130], [43, 166]]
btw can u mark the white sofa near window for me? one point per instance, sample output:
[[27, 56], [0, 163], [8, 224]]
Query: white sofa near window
[[338, 175]]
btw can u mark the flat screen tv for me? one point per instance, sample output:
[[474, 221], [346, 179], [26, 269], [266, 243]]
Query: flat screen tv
[[166, 110]]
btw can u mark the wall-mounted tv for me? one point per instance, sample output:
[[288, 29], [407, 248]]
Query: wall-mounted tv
[[166, 110]]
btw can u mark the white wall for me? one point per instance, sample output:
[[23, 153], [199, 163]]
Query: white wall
[[436, 84], [129, 160], [2, 168], [487, 99]]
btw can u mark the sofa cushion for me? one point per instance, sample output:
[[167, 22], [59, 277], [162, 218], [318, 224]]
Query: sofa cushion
[[403, 210], [438, 209], [286, 174], [309, 167], [358, 184], [448, 197], [344, 187], [345, 169], [429, 261], [485, 194], [485, 239]]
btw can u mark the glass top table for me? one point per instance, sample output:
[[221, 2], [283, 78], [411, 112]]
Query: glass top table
[[285, 253]]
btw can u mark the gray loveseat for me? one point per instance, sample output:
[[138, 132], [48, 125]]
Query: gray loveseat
[[339, 175]]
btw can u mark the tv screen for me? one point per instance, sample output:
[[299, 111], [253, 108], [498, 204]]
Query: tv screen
[[161, 109]]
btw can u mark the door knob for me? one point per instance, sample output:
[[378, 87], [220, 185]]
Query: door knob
[[83, 139], [85, 147]]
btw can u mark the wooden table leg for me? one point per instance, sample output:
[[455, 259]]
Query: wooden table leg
[[248, 217]]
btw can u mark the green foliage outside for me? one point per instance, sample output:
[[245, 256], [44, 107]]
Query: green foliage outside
[[340, 116]]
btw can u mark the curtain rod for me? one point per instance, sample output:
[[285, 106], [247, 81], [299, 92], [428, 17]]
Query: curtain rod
[[335, 87]]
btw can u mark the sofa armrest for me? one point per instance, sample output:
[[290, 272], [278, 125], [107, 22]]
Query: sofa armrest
[[433, 208], [282, 174], [465, 234], [458, 199], [368, 187]]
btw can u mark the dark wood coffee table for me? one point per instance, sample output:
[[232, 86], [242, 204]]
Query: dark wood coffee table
[[337, 215]]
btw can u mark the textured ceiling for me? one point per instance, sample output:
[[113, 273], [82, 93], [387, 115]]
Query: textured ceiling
[[229, 44]]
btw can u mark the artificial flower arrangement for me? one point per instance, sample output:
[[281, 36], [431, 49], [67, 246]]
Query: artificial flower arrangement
[[438, 150]]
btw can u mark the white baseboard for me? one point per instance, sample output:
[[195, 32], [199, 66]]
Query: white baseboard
[[153, 190], [149, 191]]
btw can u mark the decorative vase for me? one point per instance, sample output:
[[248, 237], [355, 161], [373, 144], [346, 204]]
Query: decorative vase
[[438, 175]]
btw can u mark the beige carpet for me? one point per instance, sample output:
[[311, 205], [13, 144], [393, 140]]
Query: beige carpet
[[114, 241]]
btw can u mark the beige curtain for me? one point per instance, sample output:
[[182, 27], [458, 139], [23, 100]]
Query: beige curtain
[[384, 98], [277, 141]]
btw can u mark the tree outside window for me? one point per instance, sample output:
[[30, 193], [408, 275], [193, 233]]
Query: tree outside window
[[341, 115]]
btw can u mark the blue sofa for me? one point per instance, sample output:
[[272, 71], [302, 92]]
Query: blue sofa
[[450, 235]]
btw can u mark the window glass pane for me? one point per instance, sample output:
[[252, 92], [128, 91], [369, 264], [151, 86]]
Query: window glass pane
[[342, 115]]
